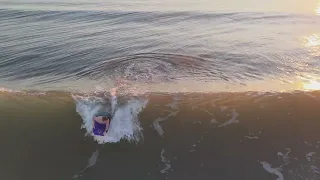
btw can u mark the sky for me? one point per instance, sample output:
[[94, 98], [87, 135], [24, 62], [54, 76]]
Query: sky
[[295, 6]]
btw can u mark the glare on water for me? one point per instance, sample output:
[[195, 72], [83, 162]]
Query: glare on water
[[318, 9], [312, 85]]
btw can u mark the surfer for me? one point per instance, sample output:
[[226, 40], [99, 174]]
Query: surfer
[[101, 121]]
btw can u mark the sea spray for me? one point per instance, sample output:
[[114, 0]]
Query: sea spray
[[124, 124]]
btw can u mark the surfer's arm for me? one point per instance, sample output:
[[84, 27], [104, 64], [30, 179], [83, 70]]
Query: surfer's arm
[[113, 100], [113, 104]]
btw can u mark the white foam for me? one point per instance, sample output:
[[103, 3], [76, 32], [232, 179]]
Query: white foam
[[271, 170], [311, 155], [233, 119], [91, 162], [87, 106], [2, 89], [93, 159], [157, 126], [308, 143], [156, 123], [124, 124], [214, 121], [165, 161], [280, 154], [315, 169], [285, 157], [252, 137]]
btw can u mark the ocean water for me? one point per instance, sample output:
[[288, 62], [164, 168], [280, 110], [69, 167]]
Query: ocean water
[[200, 94]]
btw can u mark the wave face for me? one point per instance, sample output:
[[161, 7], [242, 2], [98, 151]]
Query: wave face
[[160, 135]]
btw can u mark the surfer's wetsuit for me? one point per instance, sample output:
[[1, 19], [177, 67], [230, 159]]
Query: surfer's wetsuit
[[99, 128]]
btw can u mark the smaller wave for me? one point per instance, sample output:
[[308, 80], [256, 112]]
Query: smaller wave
[[125, 123], [3, 90]]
